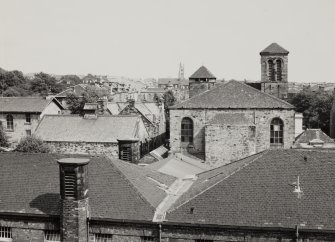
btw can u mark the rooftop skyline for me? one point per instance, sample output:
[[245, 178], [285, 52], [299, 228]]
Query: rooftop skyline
[[150, 38]]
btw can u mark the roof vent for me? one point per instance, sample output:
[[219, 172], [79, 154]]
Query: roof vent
[[305, 158], [191, 210], [70, 184]]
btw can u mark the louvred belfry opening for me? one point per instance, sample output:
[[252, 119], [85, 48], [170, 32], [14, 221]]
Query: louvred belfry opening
[[70, 184]]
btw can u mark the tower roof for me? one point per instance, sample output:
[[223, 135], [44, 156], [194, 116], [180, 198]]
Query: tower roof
[[274, 48], [201, 73]]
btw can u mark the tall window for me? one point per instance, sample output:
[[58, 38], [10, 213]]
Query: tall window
[[28, 118], [5, 234], [276, 131], [279, 76], [187, 130], [10, 123], [148, 239], [271, 71]]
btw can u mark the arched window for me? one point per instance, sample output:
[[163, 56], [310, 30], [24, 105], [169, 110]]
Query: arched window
[[276, 131], [279, 70], [187, 130], [10, 124], [271, 71]]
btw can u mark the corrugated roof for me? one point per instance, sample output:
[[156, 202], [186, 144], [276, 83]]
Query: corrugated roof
[[261, 193], [23, 104], [232, 119], [233, 95], [202, 73], [274, 48], [29, 184], [70, 128]]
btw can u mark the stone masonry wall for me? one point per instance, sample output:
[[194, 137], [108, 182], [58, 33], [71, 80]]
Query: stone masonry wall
[[20, 125], [84, 148], [201, 118], [225, 144], [28, 230]]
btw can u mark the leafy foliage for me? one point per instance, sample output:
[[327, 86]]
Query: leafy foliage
[[32, 144], [44, 84], [70, 80], [315, 107], [3, 138], [91, 95]]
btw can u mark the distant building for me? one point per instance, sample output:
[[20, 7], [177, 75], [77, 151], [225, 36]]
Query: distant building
[[149, 94], [332, 118], [201, 81], [19, 116], [314, 138]]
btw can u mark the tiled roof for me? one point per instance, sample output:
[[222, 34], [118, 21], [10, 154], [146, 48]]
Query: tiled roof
[[233, 95], [274, 48], [260, 194], [309, 135], [202, 72], [23, 104], [231, 119], [149, 183], [29, 184], [70, 128]]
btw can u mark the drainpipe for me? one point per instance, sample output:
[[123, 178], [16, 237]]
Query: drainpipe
[[159, 232]]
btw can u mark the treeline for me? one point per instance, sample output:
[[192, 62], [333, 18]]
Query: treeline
[[15, 84], [316, 107]]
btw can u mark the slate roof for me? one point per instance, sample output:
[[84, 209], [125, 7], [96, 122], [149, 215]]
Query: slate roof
[[305, 138], [24, 104], [201, 73], [233, 95], [274, 48], [236, 119], [29, 184], [260, 194], [71, 128]]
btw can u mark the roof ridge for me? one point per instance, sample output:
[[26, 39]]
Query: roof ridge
[[269, 95], [130, 183], [201, 94], [206, 189]]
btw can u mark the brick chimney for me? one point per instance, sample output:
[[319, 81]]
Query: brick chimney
[[74, 199]]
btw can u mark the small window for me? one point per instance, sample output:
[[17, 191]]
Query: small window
[[28, 132], [148, 238], [51, 236], [10, 122], [28, 119], [187, 130], [5, 233], [103, 237], [276, 131]]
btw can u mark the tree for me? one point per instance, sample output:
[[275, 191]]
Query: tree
[[91, 95], [43, 84], [13, 83], [315, 107], [71, 79], [32, 144], [3, 138]]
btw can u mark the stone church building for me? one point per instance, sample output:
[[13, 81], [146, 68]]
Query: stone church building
[[230, 122]]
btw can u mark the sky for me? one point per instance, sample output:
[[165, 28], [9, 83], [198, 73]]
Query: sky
[[149, 38]]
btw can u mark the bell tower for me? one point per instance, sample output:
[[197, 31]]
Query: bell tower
[[274, 60]]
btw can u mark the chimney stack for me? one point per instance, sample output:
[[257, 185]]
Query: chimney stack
[[74, 199]]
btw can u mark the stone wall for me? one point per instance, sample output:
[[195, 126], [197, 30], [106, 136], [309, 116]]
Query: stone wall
[[202, 118], [20, 125], [84, 148], [225, 144]]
